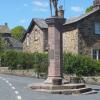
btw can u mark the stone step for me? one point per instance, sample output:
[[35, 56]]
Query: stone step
[[68, 91], [90, 92], [81, 90], [71, 91], [63, 87], [57, 87]]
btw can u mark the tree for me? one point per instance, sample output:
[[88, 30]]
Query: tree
[[2, 43], [89, 9], [18, 32]]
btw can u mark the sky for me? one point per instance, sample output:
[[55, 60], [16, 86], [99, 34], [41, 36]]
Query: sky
[[21, 12]]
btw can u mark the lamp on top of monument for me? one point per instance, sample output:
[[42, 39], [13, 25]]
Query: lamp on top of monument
[[54, 7]]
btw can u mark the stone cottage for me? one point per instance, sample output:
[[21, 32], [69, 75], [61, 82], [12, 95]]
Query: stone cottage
[[81, 35], [11, 43], [36, 37]]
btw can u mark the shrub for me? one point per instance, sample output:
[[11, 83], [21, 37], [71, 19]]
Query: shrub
[[73, 64], [9, 59], [21, 60], [80, 65], [40, 63]]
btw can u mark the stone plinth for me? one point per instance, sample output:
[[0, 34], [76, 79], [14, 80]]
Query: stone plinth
[[55, 50], [67, 89]]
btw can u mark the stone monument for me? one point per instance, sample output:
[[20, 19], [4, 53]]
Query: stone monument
[[55, 25], [54, 82], [54, 4]]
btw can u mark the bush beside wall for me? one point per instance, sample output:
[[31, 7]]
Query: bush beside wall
[[80, 65], [73, 64]]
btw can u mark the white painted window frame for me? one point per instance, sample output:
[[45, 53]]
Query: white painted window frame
[[97, 53], [97, 28]]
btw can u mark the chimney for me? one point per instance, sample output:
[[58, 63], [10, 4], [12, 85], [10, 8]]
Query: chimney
[[61, 12], [96, 4], [6, 24]]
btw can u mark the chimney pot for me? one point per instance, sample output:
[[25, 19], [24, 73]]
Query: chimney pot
[[96, 4], [6, 24]]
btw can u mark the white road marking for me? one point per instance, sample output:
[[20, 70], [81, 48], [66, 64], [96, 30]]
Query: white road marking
[[16, 92], [10, 84], [13, 88], [7, 81], [19, 97]]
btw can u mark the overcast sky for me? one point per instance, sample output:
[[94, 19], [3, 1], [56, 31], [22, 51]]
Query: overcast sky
[[20, 12]]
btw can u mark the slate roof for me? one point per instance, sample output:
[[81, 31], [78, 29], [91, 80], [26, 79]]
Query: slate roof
[[13, 42], [4, 29], [41, 23], [76, 19]]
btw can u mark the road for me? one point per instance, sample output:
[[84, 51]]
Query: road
[[15, 88]]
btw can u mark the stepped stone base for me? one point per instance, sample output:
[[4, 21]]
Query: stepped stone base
[[62, 89]]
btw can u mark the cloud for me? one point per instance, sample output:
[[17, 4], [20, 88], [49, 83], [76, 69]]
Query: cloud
[[40, 10], [76, 9], [25, 5], [22, 21], [40, 5]]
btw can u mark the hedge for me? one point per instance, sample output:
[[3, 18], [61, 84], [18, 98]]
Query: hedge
[[73, 64], [80, 65], [20, 60]]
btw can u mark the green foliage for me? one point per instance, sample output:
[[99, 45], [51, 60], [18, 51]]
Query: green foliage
[[80, 65], [18, 32], [9, 59], [21, 60], [40, 63], [2, 43], [73, 64], [89, 9]]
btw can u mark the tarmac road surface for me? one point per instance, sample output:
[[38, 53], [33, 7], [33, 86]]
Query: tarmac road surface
[[16, 88]]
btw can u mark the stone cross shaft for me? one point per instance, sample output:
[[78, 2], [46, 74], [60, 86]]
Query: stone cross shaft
[[55, 50]]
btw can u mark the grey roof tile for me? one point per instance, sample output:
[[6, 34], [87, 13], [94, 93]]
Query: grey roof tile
[[76, 19], [15, 43], [41, 23]]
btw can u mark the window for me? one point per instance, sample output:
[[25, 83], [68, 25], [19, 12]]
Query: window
[[96, 54], [97, 27]]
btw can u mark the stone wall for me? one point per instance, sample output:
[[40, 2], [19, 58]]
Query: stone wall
[[78, 37], [5, 70], [70, 41], [87, 37], [34, 41]]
